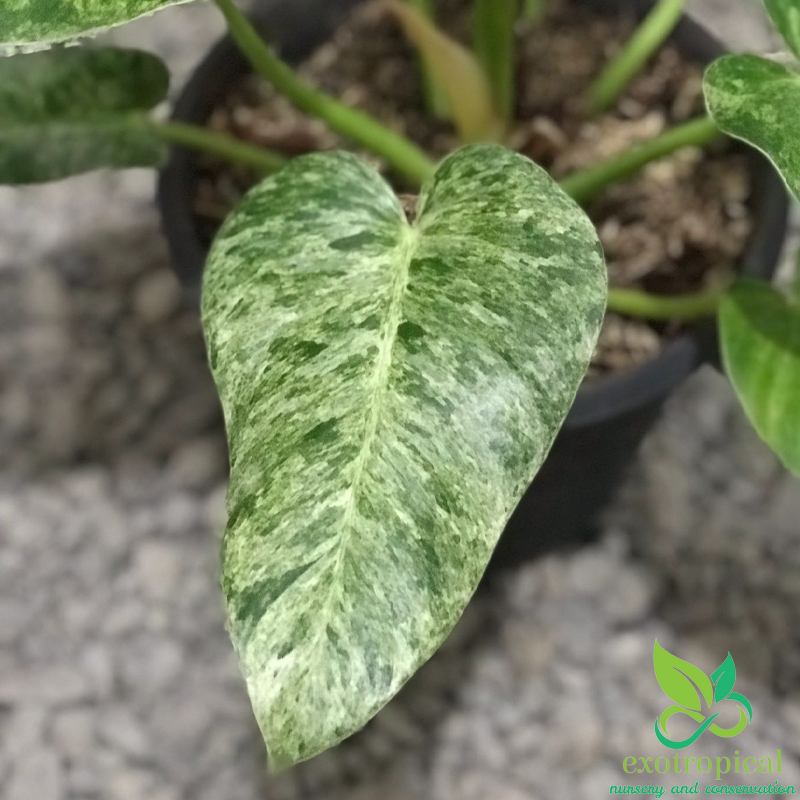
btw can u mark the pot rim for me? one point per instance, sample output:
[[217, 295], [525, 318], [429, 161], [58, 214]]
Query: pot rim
[[598, 400]]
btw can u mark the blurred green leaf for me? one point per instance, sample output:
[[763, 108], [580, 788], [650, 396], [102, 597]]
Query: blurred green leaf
[[760, 334], [786, 16], [31, 23], [758, 101], [71, 110], [458, 73], [76, 81]]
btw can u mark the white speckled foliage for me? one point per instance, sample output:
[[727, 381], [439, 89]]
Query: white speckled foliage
[[71, 110], [758, 100], [390, 390], [41, 23]]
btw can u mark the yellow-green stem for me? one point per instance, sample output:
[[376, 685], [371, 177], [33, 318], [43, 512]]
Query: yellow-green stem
[[403, 155], [587, 183], [219, 144], [649, 36], [435, 98], [662, 308]]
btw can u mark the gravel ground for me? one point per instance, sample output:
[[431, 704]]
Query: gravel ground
[[117, 679]]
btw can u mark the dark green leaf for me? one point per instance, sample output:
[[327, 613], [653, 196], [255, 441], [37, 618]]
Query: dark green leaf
[[759, 101], [724, 677], [760, 332], [786, 16], [77, 81], [61, 149], [69, 111], [390, 390], [44, 22]]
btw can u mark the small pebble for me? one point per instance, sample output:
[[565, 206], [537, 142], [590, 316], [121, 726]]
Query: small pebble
[[157, 297]]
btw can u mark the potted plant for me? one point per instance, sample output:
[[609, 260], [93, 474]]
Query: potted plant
[[393, 372], [638, 364]]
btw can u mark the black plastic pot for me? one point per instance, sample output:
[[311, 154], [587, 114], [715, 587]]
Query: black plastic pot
[[611, 415]]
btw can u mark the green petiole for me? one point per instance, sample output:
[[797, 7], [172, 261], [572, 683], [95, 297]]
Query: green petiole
[[403, 155], [219, 144], [662, 308], [493, 36], [650, 35], [587, 183]]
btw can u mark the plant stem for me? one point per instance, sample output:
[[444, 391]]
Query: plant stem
[[402, 154], [219, 144], [435, 98], [493, 37], [587, 183], [648, 37], [634, 303]]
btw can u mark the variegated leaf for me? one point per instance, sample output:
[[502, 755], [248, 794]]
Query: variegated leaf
[[69, 111], [40, 23], [760, 334], [758, 101], [390, 390], [786, 16]]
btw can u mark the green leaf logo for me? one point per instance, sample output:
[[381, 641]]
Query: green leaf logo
[[681, 681], [693, 692], [724, 676]]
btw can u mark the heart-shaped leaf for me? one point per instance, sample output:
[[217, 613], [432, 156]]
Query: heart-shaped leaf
[[680, 680], [31, 23], [390, 390], [786, 16], [69, 111], [724, 677], [758, 101], [760, 333]]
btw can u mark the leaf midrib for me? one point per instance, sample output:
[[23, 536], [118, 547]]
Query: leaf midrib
[[389, 333]]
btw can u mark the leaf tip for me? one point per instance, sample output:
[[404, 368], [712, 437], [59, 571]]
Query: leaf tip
[[278, 763]]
